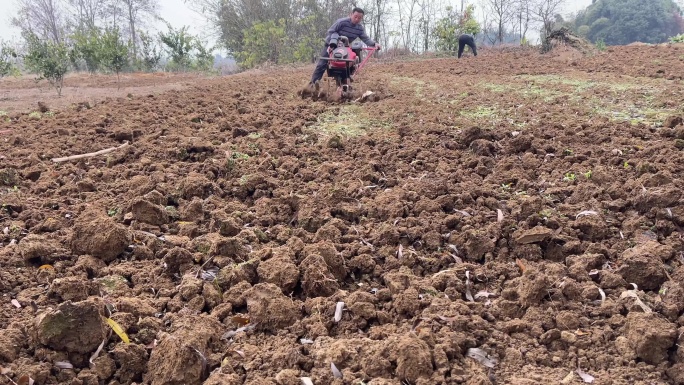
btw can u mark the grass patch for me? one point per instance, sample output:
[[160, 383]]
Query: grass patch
[[418, 85], [348, 121], [579, 85], [497, 87], [481, 112]]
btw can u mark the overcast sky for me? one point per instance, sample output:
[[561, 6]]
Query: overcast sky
[[173, 11], [178, 14]]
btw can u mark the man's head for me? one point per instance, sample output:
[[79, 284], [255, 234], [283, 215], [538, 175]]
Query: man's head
[[356, 15]]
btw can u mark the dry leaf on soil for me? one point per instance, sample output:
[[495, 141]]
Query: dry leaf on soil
[[118, 330], [240, 320]]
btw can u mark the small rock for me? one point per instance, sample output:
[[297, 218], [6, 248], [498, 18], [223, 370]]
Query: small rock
[[533, 235], [148, 212], [269, 308], [650, 336], [38, 248], [568, 337], [624, 348], [672, 121], [99, 236], [280, 271], [73, 327]]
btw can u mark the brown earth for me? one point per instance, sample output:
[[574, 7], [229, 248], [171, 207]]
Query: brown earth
[[482, 222]]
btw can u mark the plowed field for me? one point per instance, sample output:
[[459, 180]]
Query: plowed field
[[513, 218]]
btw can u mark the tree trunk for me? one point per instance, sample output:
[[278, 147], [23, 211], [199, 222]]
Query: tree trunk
[[131, 23]]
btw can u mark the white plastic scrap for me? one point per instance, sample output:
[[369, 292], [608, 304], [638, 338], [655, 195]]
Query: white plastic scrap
[[568, 379], [338, 311], [483, 294], [209, 274], [499, 215], [16, 303], [233, 333], [637, 300], [97, 352], [306, 381], [480, 356], [603, 295], [305, 341], [64, 365], [468, 294], [336, 372], [585, 213], [586, 377]]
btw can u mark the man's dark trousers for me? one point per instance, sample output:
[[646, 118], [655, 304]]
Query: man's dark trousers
[[321, 66], [466, 40]]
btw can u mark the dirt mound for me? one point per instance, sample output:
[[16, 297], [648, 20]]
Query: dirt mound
[[565, 38]]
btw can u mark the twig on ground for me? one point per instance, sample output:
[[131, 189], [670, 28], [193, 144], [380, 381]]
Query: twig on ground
[[88, 155]]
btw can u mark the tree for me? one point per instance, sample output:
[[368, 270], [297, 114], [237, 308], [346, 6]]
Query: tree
[[618, 22], [48, 59], [450, 27], [42, 18], [150, 53], [545, 12], [85, 13], [304, 21], [501, 12], [7, 57], [86, 46], [204, 58], [406, 10], [114, 52], [179, 44], [263, 42], [135, 11], [523, 14]]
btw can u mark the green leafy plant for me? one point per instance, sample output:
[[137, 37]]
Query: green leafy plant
[[600, 45], [677, 39], [569, 177], [48, 59], [7, 57], [179, 44], [204, 59], [588, 174], [149, 51], [448, 29], [263, 42], [114, 52], [86, 49]]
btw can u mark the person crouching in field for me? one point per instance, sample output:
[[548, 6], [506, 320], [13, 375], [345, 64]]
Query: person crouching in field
[[466, 40]]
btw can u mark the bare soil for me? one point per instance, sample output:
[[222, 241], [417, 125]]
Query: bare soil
[[514, 218]]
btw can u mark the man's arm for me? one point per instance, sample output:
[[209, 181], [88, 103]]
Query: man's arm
[[369, 42], [334, 28]]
